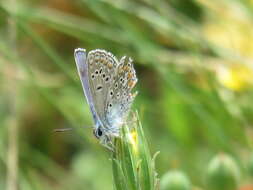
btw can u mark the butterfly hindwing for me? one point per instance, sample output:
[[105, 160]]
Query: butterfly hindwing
[[120, 98]]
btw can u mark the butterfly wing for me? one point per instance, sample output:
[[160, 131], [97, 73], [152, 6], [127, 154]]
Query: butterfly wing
[[102, 66], [82, 67], [120, 98]]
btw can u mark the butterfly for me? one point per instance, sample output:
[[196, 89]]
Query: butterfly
[[107, 84]]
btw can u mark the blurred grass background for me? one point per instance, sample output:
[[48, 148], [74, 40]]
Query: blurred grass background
[[194, 63]]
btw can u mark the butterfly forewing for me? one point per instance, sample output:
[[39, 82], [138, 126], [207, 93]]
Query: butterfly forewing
[[102, 67]]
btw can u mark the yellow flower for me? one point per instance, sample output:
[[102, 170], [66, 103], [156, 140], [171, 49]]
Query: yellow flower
[[132, 136], [230, 28], [235, 77]]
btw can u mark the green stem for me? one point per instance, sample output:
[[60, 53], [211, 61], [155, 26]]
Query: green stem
[[132, 164]]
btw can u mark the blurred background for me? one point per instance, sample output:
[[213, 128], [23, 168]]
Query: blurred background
[[193, 59]]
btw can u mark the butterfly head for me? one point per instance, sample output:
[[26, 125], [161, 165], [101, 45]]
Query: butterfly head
[[105, 139], [98, 133]]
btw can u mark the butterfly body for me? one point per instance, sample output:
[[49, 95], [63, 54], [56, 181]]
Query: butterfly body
[[107, 85]]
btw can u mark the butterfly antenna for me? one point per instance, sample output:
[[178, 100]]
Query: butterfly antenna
[[63, 130]]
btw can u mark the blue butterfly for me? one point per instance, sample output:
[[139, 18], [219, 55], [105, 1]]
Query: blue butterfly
[[107, 85]]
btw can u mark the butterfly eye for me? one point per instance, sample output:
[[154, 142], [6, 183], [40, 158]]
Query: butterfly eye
[[98, 132]]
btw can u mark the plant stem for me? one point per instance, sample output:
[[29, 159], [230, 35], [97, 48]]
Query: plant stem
[[12, 92], [133, 166]]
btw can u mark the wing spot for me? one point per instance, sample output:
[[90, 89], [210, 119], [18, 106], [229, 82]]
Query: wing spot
[[93, 76], [101, 70], [96, 56], [109, 65], [91, 57], [102, 57], [96, 72], [107, 79], [99, 88]]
